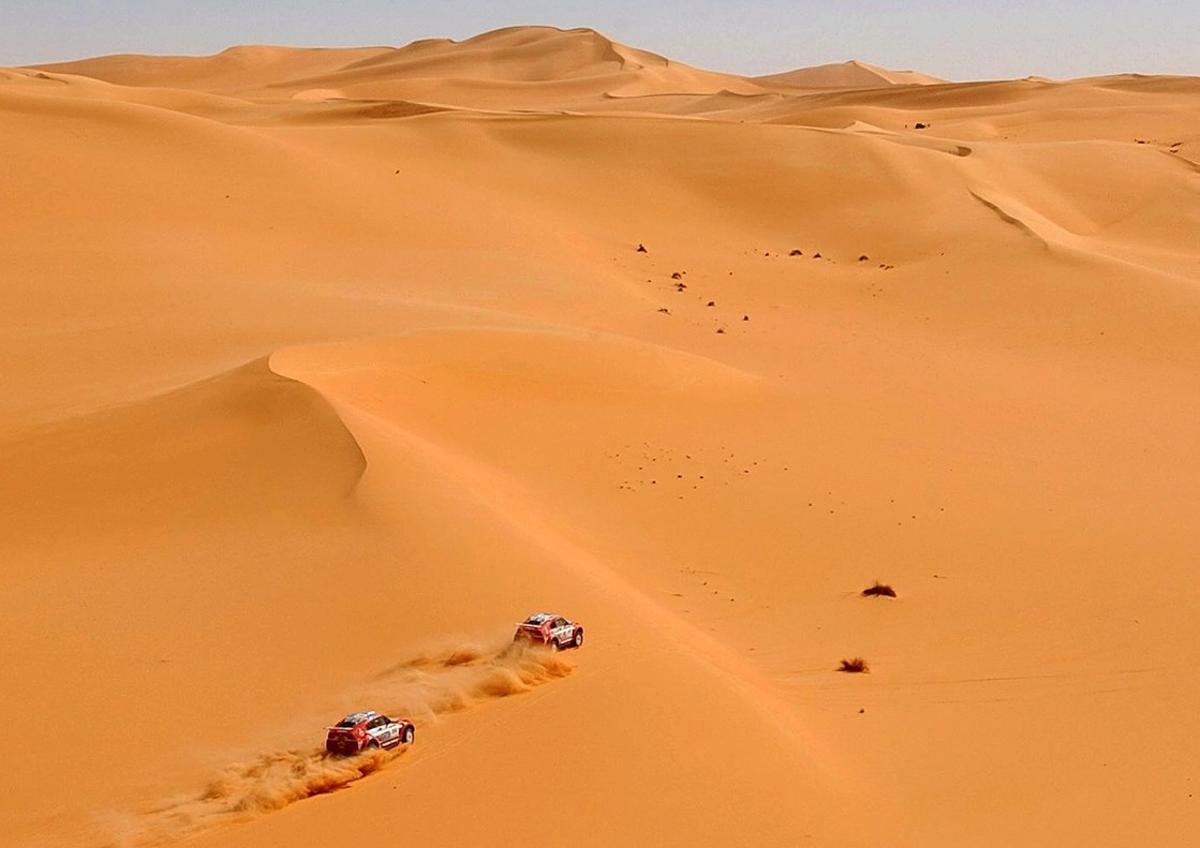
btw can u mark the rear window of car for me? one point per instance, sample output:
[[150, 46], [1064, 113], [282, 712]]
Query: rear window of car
[[347, 722]]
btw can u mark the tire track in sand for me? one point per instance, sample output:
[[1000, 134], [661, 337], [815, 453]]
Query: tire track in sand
[[420, 688]]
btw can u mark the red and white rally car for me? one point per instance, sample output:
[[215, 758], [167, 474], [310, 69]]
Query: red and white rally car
[[554, 631], [368, 729]]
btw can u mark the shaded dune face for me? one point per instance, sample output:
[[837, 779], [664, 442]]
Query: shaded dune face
[[322, 367], [183, 455]]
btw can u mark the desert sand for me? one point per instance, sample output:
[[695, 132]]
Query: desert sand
[[322, 367]]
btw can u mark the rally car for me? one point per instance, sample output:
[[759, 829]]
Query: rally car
[[368, 729], [554, 631]]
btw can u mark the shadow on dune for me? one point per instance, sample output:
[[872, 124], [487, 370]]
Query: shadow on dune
[[245, 442]]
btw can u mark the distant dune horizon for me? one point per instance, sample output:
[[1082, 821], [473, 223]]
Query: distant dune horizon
[[849, 73]]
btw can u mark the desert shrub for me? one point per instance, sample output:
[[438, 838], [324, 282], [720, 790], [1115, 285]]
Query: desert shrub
[[879, 589]]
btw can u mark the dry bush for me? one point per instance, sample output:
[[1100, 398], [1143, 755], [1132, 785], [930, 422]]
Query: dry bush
[[879, 589]]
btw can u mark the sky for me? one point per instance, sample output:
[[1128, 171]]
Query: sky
[[959, 40]]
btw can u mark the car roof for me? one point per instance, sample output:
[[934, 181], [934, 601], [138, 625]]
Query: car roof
[[359, 717], [539, 617]]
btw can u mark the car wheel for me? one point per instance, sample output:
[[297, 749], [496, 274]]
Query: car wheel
[[408, 735], [373, 745], [554, 646], [579, 638]]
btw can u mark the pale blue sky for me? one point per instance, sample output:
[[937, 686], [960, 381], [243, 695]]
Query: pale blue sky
[[968, 39]]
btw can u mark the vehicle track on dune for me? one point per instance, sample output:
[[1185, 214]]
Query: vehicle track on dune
[[422, 687]]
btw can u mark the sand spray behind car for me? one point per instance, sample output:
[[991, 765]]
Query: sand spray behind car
[[421, 688], [457, 679]]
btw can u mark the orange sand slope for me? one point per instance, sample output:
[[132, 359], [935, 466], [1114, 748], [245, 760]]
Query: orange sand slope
[[851, 74], [322, 367]]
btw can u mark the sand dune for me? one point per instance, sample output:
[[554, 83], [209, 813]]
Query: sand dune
[[852, 74], [324, 366], [509, 68]]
